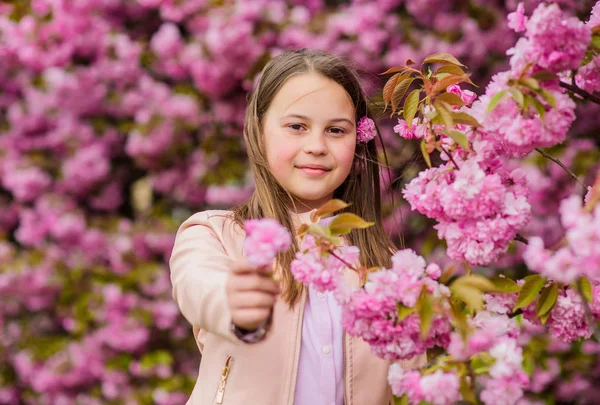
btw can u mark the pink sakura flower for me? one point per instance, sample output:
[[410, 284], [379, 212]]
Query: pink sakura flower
[[467, 96], [554, 40], [438, 388], [517, 19], [365, 130], [594, 16], [264, 239], [322, 270], [588, 76]]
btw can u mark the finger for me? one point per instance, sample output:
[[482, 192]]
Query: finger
[[252, 299], [242, 267], [254, 282], [250, 318]]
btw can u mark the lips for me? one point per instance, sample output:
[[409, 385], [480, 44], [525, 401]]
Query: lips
[[314, 167], [313, 170]]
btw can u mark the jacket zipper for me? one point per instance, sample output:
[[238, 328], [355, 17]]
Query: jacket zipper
[[223, 381], [298, 346]]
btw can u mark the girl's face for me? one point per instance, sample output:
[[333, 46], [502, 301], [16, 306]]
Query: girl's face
[[310, 137]]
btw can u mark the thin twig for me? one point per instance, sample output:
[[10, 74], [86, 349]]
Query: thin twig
[[584, 94], [332, 253], [450, 156], [516, 313], [588, 313], [522, 239], [561, 164]]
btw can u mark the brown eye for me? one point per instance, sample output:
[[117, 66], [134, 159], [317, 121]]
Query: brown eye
[[337, 130], [296, 127]]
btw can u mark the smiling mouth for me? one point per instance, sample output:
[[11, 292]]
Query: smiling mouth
[[313, 170]]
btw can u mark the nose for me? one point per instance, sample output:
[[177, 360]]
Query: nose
[[316, 143]]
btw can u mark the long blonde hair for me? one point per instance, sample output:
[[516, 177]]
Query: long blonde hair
[[361, 187]]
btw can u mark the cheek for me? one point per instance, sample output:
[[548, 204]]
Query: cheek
[[280, 153], [345, 156]]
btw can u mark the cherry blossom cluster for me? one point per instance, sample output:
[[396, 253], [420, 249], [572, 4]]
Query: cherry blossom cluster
[[372, 312], [479, 211], [264, 239], [553, 41], [439, 387], [322, 268], [581, 255]]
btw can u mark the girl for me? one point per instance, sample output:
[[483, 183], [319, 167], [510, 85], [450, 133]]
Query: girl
[[275, 342]]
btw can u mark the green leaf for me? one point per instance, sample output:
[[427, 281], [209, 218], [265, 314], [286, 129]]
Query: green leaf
[[441, 85], [460, 117], [444, 114], [404, 312], [410, 106], [395, 69], [460, 139], [545, 317], [517, 95], [425, 153], [596, 41], [403, 400], [471, 296], [442, 57], [496, 99], [586, 289], [530, 82], [425, 308], [476, 281], [451, 99], [528, 362], [459, 318], [505, 285], [451, 69], [347, 221], [548, 97], [481, 362], [400, 91], [529, 291], [328, 208], [547, 300], [466, 391], [389, 87], [539, 107], [544, 75]]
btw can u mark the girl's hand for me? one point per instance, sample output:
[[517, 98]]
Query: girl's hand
[[251, 294]]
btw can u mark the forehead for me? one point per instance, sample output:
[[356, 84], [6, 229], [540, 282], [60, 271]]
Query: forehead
[[312, 94]]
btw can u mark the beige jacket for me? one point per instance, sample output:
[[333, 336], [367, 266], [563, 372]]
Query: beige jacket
[[233, 372]]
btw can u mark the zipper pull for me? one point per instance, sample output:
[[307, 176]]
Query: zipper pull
[[223, 381]]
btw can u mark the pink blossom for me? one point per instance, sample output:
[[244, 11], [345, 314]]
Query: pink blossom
[[365, 130], [441, 388], [405, 382], [567, 320], [588, 76], [264, 239], [594, 16], [467, 96], [555, 41], [403, 130], [517, 19]]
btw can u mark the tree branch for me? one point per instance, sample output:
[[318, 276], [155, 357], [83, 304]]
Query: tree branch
[[561, 164], [580, 92], [450, 156], [522, 239]]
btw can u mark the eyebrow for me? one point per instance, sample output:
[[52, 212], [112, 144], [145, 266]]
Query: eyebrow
[[303, 117]]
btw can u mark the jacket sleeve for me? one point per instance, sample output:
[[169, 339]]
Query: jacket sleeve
[[199, 265]]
